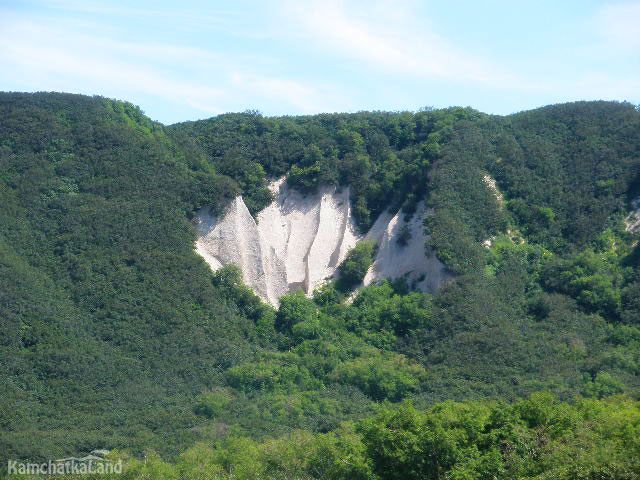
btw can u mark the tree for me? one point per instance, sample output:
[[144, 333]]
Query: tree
[[356, 264]]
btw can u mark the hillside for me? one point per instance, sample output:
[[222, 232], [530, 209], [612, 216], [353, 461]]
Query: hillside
[[118, 335]]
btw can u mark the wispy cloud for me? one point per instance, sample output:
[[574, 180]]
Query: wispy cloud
[[180, 61], [179, 14], [101, 64], [305, 98], [70, 58], [388, 37], [619, 23]]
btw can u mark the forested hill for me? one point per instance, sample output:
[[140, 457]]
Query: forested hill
[[565, 169], [117, 335]]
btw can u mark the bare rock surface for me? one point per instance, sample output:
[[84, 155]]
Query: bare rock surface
[[299, 241], [406, 258], [633, 219]]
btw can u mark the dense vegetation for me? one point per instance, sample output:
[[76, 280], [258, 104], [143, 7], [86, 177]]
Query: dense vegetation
[[536, 439], [383, 157], [100, 289], [356, 264], [117, 335]]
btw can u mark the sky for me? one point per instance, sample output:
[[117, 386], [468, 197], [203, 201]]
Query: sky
[[189, 60]]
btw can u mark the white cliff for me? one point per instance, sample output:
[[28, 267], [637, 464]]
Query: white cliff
[[409, 259], [299, 241]]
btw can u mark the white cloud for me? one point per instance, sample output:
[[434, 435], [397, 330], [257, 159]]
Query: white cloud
[[181, 14], [296, 57], [619, 23], [386, 35], [304, 98], [603, 86], [40, 56], [82, 63]]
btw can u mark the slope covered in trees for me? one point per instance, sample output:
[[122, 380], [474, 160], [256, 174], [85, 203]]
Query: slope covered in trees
[[536, 439], [117, 335]]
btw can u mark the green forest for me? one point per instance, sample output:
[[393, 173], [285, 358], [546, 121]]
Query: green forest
[[118, 336]]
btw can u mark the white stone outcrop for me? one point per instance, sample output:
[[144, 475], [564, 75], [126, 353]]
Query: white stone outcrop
[[299, 241], [632, 221], [422, 270]]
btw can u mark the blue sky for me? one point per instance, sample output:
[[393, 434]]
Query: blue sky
[[195, 59]]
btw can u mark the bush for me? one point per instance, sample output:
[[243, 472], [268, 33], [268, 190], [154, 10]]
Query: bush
[[355, 266], [279, 373], [295, 308], [382, 377], [213, 404]]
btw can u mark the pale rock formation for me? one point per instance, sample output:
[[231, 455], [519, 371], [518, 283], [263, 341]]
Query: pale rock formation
[[299, 241], [491, 183], [422, 270], [633, 219]]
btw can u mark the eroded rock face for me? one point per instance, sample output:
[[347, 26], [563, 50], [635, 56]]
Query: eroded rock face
[[492, 184], [406, 258], [633, 219], [299, 241]]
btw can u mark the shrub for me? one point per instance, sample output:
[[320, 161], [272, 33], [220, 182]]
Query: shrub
[[355, 266], [213, 404]]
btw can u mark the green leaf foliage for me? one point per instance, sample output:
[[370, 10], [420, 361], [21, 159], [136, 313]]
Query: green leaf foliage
[[356, 264], [117, 335]]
